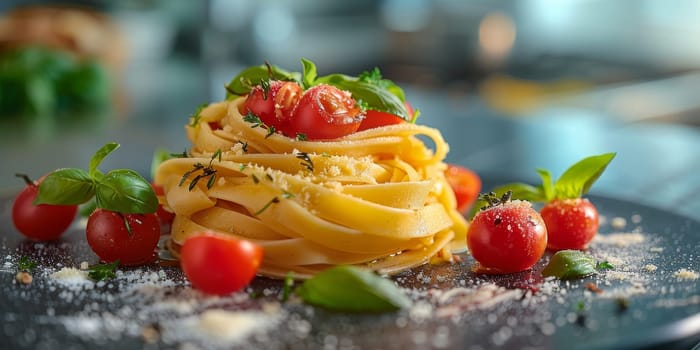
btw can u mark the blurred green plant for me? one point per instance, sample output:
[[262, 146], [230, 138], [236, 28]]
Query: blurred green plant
[[36, 82]]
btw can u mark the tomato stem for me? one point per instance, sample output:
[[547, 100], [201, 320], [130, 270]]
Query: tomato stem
[[127, 225], [26, 179]]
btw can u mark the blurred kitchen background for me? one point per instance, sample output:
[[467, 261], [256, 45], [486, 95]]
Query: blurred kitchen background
[[513, 85]]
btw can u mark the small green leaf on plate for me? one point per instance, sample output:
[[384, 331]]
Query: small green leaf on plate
[[604, 265], [102, 272], [570, 264], [26, 264], [352, 289]]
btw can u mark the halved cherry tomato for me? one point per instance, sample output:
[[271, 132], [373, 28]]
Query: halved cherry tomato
[[325, 112], [466, 185], [508, 237], [111, 239], [43, 222], [218, 264], [571, 223], [375, 119], [274, 106]]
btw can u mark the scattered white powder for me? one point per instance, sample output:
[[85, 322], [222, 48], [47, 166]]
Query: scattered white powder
[[618, 223], [619, 239], [685, 274], [71, 276], [154, 305], [229, 326], [650, 267]]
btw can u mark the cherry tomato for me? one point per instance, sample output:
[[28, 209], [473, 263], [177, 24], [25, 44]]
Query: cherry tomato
[[111, 239], [375, 119], [571, 223], [43, 222], [274, 106], [326, 112], [165, 217], [218, 264], [508, 237], [466, 185]]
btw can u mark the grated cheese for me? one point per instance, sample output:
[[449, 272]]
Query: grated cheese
[[685, 274]]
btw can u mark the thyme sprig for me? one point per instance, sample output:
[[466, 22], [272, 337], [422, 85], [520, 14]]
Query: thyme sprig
[[494, 200], [206, 172], [274, 200], [250, 117], [197, 114], [305, 160]]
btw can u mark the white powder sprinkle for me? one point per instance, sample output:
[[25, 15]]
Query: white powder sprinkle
[[620, 239], [618, 223], [685, 274]]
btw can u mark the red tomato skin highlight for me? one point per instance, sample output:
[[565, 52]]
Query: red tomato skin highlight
[[466, 185], [325, 112], [571, 223], [43, 222], [507, 238], [109, 238], [220, 265]]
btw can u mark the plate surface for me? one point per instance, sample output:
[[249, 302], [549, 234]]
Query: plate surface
[[453, 307]]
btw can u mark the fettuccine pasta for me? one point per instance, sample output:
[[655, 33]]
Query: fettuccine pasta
[[376, 198]]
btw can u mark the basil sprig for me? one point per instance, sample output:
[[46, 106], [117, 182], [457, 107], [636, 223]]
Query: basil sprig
[[573, 183], [572, 264], [374, 92], [352, 289], [119, 190]]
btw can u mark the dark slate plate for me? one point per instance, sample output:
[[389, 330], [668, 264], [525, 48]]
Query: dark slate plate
[[663, 311]]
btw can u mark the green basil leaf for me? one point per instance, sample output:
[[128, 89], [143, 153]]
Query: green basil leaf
[[309, 73], [547, 184], [374, 77], [127, 192], [100, 155], [579, 178], [67, 186], [103, 272], [570, 264], [352, 289], [375, 97], [242, 83]]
